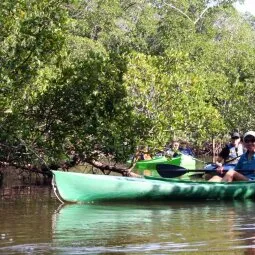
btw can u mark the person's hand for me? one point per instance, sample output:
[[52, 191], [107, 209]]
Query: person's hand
[[220, 168]]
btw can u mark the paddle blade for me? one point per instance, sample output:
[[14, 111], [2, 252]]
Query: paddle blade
[[170, 171]]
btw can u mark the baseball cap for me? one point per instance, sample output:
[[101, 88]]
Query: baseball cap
[[235, 135], [249, 133]]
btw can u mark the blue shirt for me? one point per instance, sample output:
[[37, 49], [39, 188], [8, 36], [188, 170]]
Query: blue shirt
[[186, 151], [246, 164]]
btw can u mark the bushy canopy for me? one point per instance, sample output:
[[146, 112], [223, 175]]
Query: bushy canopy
[[102, 77]]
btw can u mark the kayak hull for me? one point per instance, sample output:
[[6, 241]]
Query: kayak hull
[[84, 188]]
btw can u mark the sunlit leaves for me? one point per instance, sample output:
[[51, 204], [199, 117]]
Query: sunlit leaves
[[104, 76], [31, 36], [172, 92]]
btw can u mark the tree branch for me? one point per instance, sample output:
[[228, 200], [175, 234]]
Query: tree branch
[[180, 11], [184, 14], [202, 14], [103, 167]]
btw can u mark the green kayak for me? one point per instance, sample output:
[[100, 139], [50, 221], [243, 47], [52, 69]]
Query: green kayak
[[148, 167], [83, 188], [151, 163]]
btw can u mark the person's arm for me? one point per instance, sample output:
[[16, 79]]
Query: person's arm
[[223, 155], [239, 164], [219, 161]]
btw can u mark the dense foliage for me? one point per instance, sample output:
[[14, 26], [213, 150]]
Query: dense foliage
[[98, 78]]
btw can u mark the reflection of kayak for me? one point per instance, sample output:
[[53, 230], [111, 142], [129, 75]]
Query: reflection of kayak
[[148, 167], [79, 223], [77, 187], [82, 222], [146, 228]]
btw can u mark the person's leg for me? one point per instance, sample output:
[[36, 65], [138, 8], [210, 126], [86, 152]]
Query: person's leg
[[207, 176], [232, 175], [215, 178], [240, 177]]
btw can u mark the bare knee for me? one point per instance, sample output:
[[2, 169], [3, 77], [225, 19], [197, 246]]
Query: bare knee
[[229, 176], [215, 179], [231, 173]]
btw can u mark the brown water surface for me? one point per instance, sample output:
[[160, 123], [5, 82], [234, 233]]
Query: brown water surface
[[36, 223]]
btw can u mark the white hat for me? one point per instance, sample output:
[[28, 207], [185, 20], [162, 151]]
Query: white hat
[[249, 133]]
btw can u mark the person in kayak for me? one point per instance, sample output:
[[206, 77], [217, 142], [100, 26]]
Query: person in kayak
[[230, 152], [246, 163], [143, 153], [179, 148], [173, 151], [185, 149]]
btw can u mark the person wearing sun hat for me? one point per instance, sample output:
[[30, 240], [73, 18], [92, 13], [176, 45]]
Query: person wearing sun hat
[[245, 167]]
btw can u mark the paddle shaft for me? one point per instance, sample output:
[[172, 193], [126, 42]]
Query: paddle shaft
[[172, 171]]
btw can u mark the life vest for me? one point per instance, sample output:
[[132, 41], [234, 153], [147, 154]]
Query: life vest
[[235, 152]]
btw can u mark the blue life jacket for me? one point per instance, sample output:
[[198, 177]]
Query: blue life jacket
[[186, 151]]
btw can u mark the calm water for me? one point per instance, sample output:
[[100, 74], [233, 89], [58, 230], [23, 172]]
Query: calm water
[[37, 224]]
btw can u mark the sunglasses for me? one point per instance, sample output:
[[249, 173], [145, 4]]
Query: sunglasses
[[235, 137], [249, 140]]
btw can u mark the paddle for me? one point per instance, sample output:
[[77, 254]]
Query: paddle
[[172, 171], [164, 170]]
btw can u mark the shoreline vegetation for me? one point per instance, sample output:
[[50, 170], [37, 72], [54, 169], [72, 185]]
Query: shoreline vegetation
[[86, 83], [17, 180]]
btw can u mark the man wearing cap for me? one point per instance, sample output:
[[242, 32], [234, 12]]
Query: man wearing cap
[[231, 151], [245, 168]]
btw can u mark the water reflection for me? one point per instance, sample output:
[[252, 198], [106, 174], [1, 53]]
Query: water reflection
[[37, 225], [148, 228], [245, 224], [25, 223]]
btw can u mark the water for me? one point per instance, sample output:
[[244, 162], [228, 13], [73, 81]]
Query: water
[[38, 224]]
